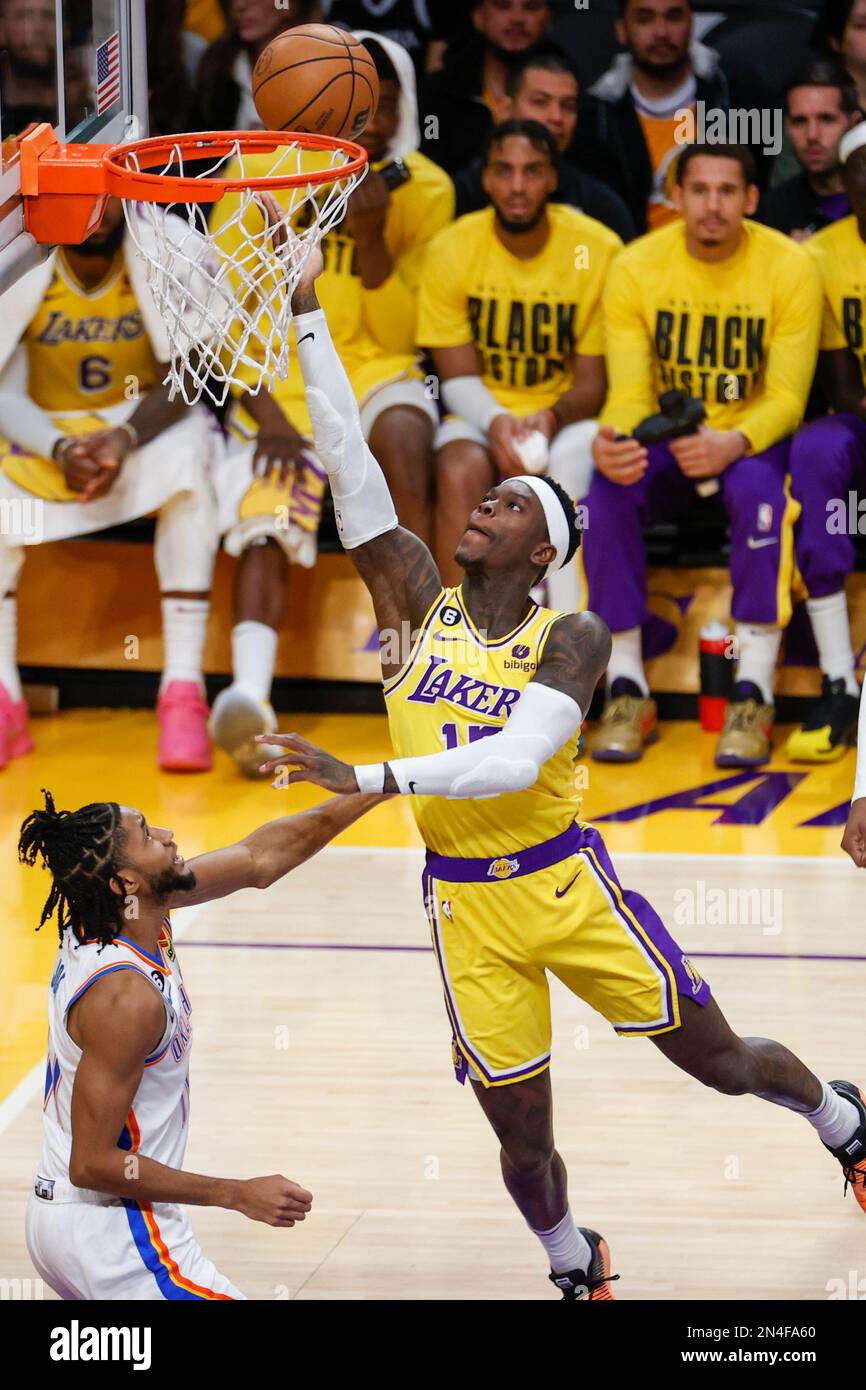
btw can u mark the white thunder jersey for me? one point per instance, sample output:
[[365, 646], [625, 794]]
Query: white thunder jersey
[[158, 1118]]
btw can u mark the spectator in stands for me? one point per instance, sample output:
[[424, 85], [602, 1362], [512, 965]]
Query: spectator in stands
[[542, 87], [631, 128], [414, 24], [170, 98], [28, 76], [841, 30], [223, 92], [728, 311], [369, 289], [467, 96], [510, 306], [821, 105], [828, 466], [80, 455]]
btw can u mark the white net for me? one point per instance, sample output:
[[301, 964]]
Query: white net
[[221, 288]]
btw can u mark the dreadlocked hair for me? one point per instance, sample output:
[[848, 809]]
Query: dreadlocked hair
[[79, 849]]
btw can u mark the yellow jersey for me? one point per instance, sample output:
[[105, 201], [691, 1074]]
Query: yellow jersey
[[457, 687], [527, 318], [662, 136], [373, 330], [840, 255], [86, 348], [739, 334]]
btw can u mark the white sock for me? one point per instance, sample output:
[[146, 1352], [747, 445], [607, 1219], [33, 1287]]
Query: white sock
[[184, 626], [758, 648], [832, 632], [566, 1247], [836, 1118], [254, 654], [9, 647], [626, 659]]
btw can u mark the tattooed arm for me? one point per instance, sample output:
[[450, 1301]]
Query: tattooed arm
[[575, 657]]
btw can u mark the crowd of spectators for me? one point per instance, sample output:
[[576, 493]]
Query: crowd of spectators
[[534, 240]]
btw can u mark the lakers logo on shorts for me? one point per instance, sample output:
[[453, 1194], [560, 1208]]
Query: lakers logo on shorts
[[503, 868], [692, 974]]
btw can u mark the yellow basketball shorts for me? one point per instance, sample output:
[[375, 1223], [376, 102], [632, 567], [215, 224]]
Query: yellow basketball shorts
[[499, 925]]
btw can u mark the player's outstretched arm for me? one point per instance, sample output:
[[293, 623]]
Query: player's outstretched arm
[[547, 714], [854, 839], [117, 1024], [395, 565], [270, 852]]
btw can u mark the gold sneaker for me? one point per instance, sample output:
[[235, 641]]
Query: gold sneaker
[[745, 739], [237, 716], [628, 723]]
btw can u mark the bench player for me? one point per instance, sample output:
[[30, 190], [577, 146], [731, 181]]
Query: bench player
[[106, 1219], [485, 713]]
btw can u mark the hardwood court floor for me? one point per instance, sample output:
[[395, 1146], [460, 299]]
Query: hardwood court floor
[[322, 1049]]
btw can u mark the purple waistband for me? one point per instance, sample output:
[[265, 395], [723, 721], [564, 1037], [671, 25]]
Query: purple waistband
[[506, 866]]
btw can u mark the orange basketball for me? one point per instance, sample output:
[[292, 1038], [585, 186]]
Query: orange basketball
[[316, 78]]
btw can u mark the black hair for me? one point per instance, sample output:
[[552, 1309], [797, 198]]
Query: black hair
[[547, 56], [385, 70], [574, 531], [622, 6], [832, 23], [537, 134], [741, 153], [827, 72], [80, 850]]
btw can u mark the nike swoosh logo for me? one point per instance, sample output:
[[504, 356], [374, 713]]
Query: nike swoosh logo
[[305, 337], [561, 892], [759, 545], [412, 788]]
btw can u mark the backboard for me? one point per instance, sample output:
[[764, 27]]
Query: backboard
[[80, 65]]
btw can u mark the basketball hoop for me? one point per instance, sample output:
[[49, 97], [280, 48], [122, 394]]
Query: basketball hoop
[[224, 296]]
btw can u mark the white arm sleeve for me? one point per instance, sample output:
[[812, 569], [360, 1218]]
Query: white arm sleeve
[[860, 774], [20, 418], [542, 722], [468, 397], [362, 502]]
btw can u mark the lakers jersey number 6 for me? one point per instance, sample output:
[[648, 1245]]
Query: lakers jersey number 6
[[456, 687]]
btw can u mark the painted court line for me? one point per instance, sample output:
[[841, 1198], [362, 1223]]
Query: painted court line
[[836, 861], [382, 947]]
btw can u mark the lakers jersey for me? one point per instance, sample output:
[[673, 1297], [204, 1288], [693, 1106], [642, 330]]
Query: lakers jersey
[[158, 1117], [456, 687], [87, 348]]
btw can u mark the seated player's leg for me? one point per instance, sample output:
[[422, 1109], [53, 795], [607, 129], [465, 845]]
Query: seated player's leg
[[570, 463], [464, 472], [757, 496], [613, 561], [184, 551], [827, 460], [399, 423], [486, 955], [15, 740]]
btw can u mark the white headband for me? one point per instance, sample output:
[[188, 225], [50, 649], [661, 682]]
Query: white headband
[[852, 140], [554, 515]]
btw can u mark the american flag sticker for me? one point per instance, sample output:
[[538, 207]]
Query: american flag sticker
[[107, 73]]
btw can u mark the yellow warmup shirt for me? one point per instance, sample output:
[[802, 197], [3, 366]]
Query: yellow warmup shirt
[[527, 318], [457, 687], [840, 255], [740, 334], [373, 330], [85, 350]]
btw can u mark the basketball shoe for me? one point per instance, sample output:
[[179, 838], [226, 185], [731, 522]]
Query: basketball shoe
[[852, 1155], [831, 729], [586, 1286], [629, 721], [236, 718], [15, 740], [745, 739], [183, 742]]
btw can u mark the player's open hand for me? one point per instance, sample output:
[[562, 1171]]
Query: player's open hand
[[854, 839], [277, 1201], [288, 245], [309, 764]]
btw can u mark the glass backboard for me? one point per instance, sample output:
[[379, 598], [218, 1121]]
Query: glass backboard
[[81, 66]]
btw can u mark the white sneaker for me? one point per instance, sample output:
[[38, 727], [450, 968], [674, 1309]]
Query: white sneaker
[[237, 716]]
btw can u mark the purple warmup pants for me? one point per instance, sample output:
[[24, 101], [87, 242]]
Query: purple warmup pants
[[755, 494], [827, 460]]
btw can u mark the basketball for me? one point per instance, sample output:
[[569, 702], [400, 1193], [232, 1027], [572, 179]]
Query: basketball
[[316, 78]]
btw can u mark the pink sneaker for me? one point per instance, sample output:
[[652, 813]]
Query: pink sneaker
[[15, 740], [184, 745]]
